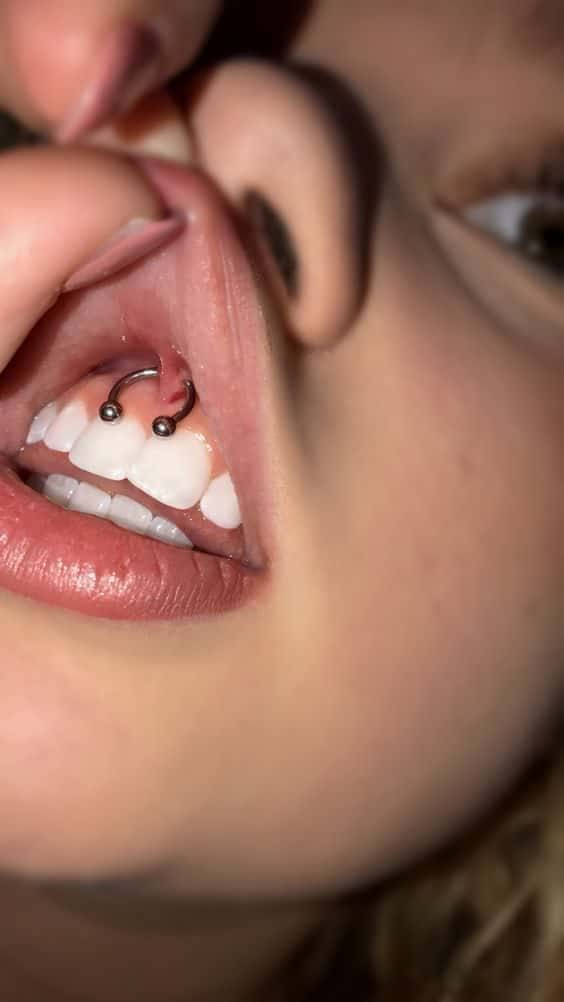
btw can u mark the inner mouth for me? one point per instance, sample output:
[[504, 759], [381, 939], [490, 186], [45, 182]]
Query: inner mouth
[[109, 518], [176, 490]]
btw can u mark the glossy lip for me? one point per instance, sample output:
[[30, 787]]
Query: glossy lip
[[90, 566], [193, 304]]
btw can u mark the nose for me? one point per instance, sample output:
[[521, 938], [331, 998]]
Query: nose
[[274, 148]]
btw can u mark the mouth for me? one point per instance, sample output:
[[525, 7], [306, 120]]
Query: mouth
[[109, 519]]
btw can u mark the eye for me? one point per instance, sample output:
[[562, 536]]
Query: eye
[[530, 223]]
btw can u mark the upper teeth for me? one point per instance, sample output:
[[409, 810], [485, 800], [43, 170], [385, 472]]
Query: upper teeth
[[41, 424], [104, 449], [121, 510], [220, 504], [63, 431], [175, 471]]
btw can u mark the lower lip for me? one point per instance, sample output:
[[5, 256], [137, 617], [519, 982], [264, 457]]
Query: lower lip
[[88, 565]]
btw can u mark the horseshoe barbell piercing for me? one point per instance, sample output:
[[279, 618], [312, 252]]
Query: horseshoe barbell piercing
[[163, 426]]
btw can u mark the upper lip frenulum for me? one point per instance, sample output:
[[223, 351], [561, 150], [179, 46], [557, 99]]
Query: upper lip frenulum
[[222, 333], [195, 302]]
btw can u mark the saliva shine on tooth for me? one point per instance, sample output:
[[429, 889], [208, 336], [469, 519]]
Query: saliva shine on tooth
[[175, 471], [41, 424]]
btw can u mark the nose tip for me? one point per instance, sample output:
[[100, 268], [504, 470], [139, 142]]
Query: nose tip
[[273, 147]]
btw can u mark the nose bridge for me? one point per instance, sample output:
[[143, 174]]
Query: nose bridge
[[268, 140]]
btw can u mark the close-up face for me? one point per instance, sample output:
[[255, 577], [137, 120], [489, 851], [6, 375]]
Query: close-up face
[[357, 302]]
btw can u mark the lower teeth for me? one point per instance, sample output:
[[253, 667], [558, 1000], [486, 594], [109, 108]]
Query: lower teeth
[[79, 496]]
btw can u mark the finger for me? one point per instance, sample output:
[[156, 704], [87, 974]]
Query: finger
[[70, 67], [56, 211]]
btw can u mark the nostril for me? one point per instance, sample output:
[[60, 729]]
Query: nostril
[[14, 134], [275, 235], [278, 152]]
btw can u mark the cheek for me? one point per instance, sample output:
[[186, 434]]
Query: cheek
[[436, 561], [50, 756], [83, 787]]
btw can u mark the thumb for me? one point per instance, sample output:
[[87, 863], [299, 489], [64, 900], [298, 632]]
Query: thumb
[[56, 211]]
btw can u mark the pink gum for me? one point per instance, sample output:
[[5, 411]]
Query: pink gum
[[143, 402]]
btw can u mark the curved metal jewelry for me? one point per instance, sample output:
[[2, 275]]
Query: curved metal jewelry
[[164, 426]]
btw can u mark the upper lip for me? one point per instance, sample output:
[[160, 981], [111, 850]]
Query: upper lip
[[196, 304]]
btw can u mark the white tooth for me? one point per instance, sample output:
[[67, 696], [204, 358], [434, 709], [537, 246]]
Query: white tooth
[[60, 489], [175, 470], [165, 531], [108, 450], [67, 427], [90, 500], [41, 424], [129, 514], [220, 503]]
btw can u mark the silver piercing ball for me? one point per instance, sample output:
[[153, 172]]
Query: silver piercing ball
[[163, 426]]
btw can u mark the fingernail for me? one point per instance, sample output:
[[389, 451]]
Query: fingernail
[[127, 67], [134, 241]]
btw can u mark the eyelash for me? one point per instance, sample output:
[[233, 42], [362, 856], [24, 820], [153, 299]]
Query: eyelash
[[539, 168], [520, 205]]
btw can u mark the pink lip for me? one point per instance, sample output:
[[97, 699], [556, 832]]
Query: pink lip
[[92, 567], [194, 301]]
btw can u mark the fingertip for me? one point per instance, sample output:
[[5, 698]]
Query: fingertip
[[127, 66], [64, 206]]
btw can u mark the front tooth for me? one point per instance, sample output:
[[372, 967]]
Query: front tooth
[[175, 470], [90, 500], [107, 450], [129, 514], [59, 489], [67, 427], [220, 503], [167, 532], [41, 424]]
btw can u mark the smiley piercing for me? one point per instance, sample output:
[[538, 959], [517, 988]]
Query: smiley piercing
[[163, 426]]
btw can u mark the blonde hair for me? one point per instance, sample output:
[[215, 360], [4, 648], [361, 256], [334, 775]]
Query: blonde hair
[[483, 920]]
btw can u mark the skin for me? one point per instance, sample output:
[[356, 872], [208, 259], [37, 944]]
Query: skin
[[43, 81], [404, 664]]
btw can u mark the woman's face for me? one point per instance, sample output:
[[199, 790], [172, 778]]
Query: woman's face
[[391, 414]]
